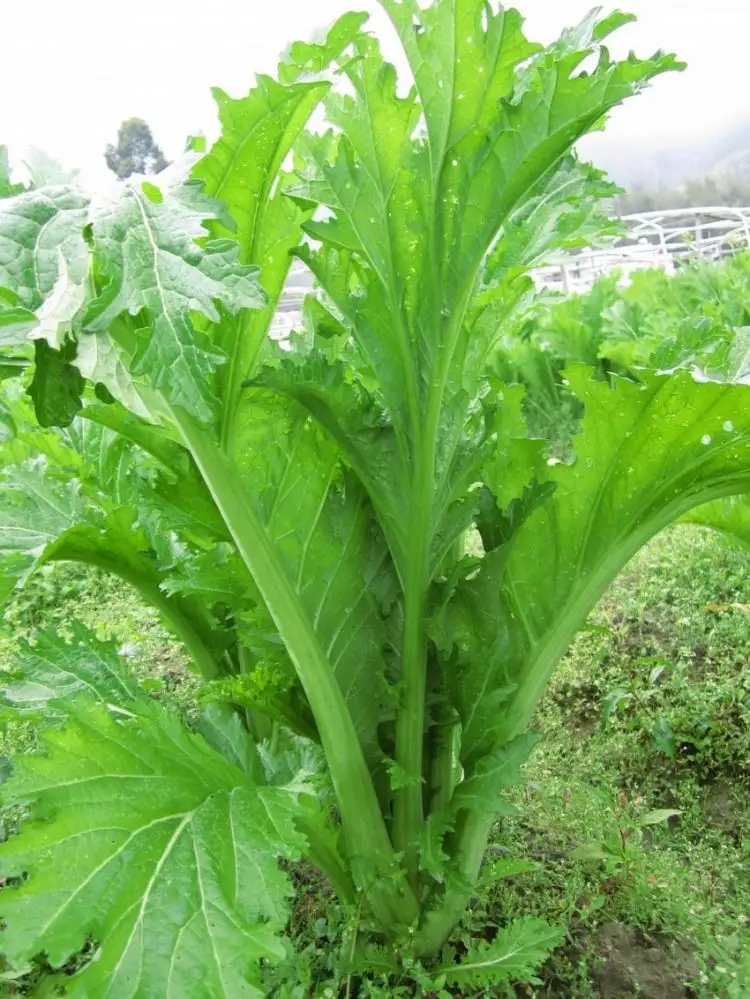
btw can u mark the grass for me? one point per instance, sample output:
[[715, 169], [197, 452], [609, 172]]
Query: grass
[[649, 711]]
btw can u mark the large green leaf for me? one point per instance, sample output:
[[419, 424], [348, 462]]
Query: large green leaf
[[515, 954], [410, 219], [500, 112], [47, 514], [370, 179], [339, 566], [41, 233], [52, 670], [647, 452], [154, 847], [353, 418], [147, 247], [243, 170]]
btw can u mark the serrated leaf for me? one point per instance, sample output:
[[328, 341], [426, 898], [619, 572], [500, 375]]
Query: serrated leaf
[[57, 385], [356, 422], [216, 575], [311, 58], [515, 954], [481, 790], [222, 728], [432, 855], [57, 314], [55, 670], [243, 169], [646, 453], [175, 875], [35, 509], [407, 222], [500, 111], [101, 361], [38, 229], [149, 252], [47, 515]]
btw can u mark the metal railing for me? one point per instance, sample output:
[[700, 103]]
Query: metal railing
[[664, 239]]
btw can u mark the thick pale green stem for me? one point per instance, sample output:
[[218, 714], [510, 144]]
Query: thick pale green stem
[[408, 806], [442, 765], [439, 923], [470, 839], [370, 848]]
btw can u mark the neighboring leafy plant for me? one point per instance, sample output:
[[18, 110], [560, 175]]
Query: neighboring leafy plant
[[372, 563], [698, 320], [621, 851]]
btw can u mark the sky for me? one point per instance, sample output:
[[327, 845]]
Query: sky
[[72, 70]]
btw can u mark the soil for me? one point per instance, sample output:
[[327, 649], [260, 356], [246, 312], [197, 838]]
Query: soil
[[720, 809], [636, 966]]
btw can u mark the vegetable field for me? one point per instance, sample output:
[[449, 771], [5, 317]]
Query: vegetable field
[[406, 656]]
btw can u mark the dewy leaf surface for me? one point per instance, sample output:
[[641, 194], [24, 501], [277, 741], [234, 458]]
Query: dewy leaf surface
[[408, 220], [500, 112], [242, 169], [149, 842]]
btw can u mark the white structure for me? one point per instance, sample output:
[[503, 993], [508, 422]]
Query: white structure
[[663, 239]]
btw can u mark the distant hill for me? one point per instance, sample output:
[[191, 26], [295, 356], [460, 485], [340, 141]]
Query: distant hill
[[736, 166], [725, 156]]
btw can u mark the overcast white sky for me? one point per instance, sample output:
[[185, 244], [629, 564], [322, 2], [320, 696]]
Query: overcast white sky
[[72, 70]]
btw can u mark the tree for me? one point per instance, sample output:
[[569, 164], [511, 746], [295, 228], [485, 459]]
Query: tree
[[135, 152]]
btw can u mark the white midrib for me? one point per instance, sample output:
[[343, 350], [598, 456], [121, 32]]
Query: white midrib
[[157, 276]]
